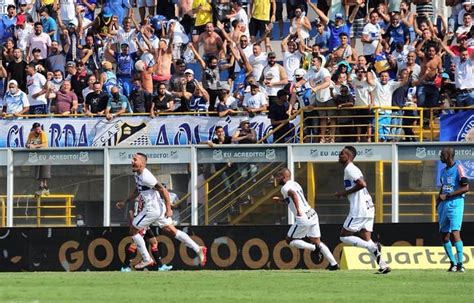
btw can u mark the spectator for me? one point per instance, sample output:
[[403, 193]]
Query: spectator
[[260, 16], [23, 31], [140, 99], [162, 102], [464, 76], [96, 102], [37, 139], [371, 36], [322, 37], [124, 61], [203, 16], [226, 106], [56, 59], [279, 118], [200, 100], [37, 89], [431, 64], [244, 134], [255, 101], [363, 98], [15, 102], [8, 23], [17, 69], [66, 100], [40, 40], [274, 77], [320, 81], [399, 99], [258, 60], [396, 33], [118, 104], [292, 55], [344, 99], [86, 91], [49, 24]]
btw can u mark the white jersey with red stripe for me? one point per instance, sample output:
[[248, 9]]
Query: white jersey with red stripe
[[149, 196]]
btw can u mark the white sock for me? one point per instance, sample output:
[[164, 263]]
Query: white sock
[[378, 258], [356, 241], [298, 243], [138, 239], [374, 246], [183, 237], [327, 253]]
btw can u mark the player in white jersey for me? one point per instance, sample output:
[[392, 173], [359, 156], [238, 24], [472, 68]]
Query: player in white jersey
[[156, 211], [306, 219], [358, 226]]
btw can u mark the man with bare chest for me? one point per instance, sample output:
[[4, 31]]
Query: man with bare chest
[[212, 42], [163, 59], [431, 64]]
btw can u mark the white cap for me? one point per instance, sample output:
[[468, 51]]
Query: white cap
[[300, 72], [189, 71]]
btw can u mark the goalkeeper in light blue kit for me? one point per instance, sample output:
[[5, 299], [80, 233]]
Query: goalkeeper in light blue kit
[[454, 185]]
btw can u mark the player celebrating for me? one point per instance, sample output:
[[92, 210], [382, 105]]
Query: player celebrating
[[454, 185], [306, 223], [156, 210], [360, 220]]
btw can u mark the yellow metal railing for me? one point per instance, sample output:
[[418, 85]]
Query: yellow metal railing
[[3, 219], [432, 194], [41, 208]]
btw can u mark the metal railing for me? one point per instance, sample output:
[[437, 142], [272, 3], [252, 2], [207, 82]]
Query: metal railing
[[41, 207]]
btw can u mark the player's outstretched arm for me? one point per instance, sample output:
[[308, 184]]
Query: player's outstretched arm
[[132, 197]]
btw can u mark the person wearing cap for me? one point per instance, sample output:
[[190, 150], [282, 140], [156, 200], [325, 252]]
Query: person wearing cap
[[255, 102], [104, 24], [37, 89], [23, 30], [8, 23], [37, 139], [227, 104], [124, 61], [337, 26], [15, 102], [118, 104], [244, 134], [292, 55], [279, 118], [38, 39], [274, 77], [463, 76]]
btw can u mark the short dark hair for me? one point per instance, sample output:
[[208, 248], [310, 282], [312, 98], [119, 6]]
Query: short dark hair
[[343, 35], [143, 155], [462, 49], [36, 50], [352, 150], [38, 23], [32, 65], [218, 127]]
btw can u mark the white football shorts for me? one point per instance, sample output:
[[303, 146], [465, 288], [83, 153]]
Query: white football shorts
[[357, 224]]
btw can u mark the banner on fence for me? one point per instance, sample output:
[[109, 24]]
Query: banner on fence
[[127, 130]]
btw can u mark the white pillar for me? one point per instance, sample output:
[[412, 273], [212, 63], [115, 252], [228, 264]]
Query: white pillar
[[395, 187], [291, 167], [10, 177], [106, 187], [194, 187]]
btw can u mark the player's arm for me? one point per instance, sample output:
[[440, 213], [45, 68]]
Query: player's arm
[[166, 197], [464, 188], [130, 198], [359, 184], [294, 197]]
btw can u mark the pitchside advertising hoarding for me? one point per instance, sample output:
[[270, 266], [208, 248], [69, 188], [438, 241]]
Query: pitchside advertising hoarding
[[229, 247]]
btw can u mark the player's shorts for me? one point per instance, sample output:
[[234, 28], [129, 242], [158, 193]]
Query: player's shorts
[[354, 224], [145, 219], [303, 229], [146, 3], [450, 215]]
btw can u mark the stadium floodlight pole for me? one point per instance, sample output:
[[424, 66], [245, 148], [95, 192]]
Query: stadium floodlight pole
[[106, 187], [291, 167], [395, 184], [194, 188], [10, 177]]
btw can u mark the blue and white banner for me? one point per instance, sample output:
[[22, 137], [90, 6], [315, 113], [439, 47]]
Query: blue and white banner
[[459, 127], [127, 131]]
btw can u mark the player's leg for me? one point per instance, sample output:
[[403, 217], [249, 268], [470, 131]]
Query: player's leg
[[456, 223], [445, 231], [140, 222], [350, 227], [166, 224], [295, 236], [366, 234], [150, 238], [314, 235]]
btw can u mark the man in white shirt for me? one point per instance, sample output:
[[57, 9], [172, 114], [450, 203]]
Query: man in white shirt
[[463, 75], [240, 14], [371, 34], [320, 80], [274, 78], [465, 28], [358, 226], [292, 56], [306, 219], [363, 98], [382, 93], [258, 60], [156, 210], [37, 89], [255, 102]]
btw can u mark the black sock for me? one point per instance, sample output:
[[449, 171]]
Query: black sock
[[156, 255], [130, 254]]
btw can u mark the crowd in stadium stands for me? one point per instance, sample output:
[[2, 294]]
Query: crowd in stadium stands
[[84, 57]]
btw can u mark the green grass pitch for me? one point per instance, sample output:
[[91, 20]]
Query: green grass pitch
[[238, 286]]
